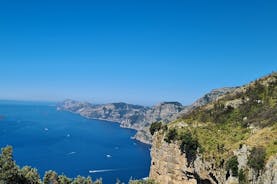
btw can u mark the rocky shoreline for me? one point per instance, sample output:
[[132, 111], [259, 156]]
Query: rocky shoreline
[[138, 117]]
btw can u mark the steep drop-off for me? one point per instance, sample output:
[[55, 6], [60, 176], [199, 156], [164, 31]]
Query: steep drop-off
[[230, 140]]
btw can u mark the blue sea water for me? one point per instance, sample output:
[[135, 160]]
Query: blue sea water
[[48, 139]]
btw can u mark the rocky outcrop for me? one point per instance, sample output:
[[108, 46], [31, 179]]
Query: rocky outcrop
[[212, 96], [226, 148], [170, 166], [135, 116], [129, 116], [207, 98]]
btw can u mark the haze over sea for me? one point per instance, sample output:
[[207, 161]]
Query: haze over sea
[[45, 138]]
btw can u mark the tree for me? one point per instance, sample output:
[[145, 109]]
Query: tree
[[171, 135], [256, 159], [9, 171], [83, 180], [62, 179], [50, 177], [189, 145], [148, 181], [156, 126], [242, 177], [232, 164], [30, 175]]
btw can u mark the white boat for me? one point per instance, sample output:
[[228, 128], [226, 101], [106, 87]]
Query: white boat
[[108, 156]]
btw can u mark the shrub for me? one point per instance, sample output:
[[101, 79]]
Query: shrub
[[148, 181], [171, 135], [232, 164], [256, 159], [242, 177], [10, 173], [156, 126], [188, 145]]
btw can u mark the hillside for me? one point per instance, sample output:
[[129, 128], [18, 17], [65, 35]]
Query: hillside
[[230, 140], [138, 117]]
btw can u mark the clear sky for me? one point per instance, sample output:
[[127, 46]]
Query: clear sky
[[136, 51]]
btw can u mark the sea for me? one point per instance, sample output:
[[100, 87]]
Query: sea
[[48, 139]]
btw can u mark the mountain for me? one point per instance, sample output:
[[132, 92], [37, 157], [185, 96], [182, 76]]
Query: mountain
[[135, 116], [232, 139], [129, 116]]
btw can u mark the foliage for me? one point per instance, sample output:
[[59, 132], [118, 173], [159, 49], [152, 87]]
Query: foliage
[[62, 179], [156, 126], [30, 175], [232, 164], [242, 177], [256, 159], [50, 177], [148, 181], [189, 145], [83, 180], [223, 125], [171, 135], [258, 102], [10, 173]]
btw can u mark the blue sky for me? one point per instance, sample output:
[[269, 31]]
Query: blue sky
[[136, 51]]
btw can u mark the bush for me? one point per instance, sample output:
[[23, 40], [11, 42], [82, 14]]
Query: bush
[[30, 175], [171, 135], [256, 159], [242, 177], [156, 126], [189, 145], [148, 181], [10, 173], [232, 164]]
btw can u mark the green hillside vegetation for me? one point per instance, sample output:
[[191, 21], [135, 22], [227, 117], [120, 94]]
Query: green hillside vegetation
[[10, 173], [246, 116]]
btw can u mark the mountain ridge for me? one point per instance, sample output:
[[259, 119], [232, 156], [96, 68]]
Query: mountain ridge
[[138, 117], [231, 140]]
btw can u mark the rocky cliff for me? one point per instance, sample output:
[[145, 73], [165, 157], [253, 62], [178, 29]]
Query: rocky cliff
[[129, 116], [230, 140], [135, 116]]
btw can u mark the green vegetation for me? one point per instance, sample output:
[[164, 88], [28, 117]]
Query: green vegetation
[[224, 125], [232, 164], [189, 145], [256, 159], [242, 177], [258, 103], [142, 182], [171, 135], [156, 126], [246, 116]]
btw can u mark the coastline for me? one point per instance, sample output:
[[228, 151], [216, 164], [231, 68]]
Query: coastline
[[134, 137]]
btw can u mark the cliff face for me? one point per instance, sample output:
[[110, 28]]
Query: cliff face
[[230, 140], [138, 117], [135, 116], [129, 116], [170, 166]]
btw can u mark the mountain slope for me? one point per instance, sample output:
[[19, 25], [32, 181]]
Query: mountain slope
[[135, 116], [230, 140]]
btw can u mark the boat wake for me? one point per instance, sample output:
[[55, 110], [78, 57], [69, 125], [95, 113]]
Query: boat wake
[[71, 153], [102, 170]]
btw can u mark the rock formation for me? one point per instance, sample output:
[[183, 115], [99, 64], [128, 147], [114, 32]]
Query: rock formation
[[135, 116], [232, 140]]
